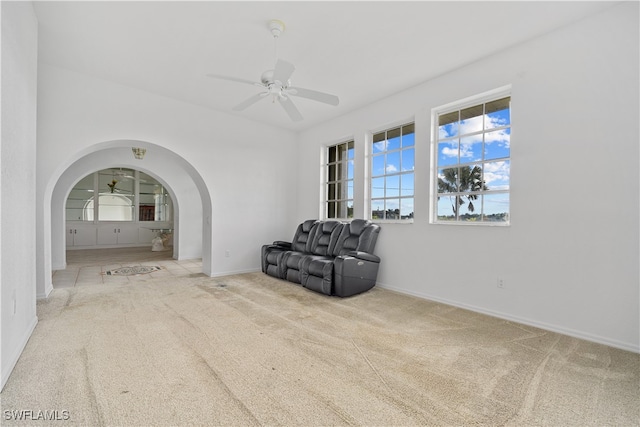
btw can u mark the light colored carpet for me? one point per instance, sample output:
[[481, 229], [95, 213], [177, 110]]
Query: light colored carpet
[[252, 350]]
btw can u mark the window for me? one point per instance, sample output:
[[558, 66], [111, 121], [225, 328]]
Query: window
[[121, 193], [155, 203], [80, 200], [116, 189], [392, 173], [113, 207], [339, 185], [473, 162]]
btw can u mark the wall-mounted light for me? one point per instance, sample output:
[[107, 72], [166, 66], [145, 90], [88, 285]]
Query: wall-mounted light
[[138, 152]]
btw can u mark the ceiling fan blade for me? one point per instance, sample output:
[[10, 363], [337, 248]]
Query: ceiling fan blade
[[255, 98], [314, 95], [283, 71], [234, 79], [291, 109]]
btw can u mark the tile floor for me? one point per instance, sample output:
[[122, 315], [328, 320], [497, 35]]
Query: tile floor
[[89, 267]]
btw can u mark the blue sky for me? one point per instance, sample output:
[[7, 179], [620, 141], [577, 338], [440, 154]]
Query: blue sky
[[394, 162], [461, 142]]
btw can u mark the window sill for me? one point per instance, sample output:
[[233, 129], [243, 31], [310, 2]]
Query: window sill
[[472, 224], [392, 221]]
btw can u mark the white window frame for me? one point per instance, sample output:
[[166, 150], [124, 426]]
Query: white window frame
[[343, 185], [401, 174], [473, 101]]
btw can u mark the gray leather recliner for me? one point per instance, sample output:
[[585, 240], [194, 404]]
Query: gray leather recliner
[[270, 253], [322, 244], [351, 269], [331, 257]]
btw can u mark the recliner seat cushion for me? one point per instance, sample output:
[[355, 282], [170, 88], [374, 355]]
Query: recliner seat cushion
[[316, 273], [319, 266], [289, 265]]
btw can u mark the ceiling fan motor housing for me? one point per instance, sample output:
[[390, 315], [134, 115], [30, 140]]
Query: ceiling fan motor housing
[[267, 80], [267, 77]]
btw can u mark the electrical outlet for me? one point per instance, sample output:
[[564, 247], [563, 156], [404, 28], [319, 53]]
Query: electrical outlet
[[500, 283], [227, 253]]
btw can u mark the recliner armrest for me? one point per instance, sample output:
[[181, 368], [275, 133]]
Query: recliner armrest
[[363, 256], [354, 272], [283, 244]]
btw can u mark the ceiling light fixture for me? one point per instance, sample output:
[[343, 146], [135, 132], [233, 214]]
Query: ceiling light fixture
[[138, 152]]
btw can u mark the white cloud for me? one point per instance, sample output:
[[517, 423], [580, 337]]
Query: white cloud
[[449, 152], [473, 124], [501, 136], [497, 167], [442, 133], [380, 146], [496, 175], [391, 169], [465, 151], [495, 121]]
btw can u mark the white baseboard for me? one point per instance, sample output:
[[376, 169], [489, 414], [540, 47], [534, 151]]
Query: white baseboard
[[542, 325], [13, 358], [56, 267], [46, 293], [231, 273]]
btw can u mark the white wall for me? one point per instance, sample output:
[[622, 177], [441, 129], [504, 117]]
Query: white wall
[[570, 257], [245, 166], [17, 182]]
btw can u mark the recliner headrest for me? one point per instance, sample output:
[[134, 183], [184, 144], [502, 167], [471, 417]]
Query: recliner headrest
[[357, 226], [329, 226], [308, 225]]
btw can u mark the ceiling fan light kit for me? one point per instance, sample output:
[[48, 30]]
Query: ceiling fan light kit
[[276, 83]]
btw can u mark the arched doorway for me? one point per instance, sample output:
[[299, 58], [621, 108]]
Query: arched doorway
[[192, 202]]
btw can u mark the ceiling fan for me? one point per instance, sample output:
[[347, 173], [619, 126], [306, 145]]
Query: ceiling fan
[[276, 85], [120, 175]]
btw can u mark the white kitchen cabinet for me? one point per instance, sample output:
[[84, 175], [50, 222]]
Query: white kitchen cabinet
[[117, 234], [81, 236], [113, 235]]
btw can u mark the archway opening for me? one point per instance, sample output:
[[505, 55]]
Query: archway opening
[[190, 197]]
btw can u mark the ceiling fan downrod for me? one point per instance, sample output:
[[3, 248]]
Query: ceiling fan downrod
[[276, 27]]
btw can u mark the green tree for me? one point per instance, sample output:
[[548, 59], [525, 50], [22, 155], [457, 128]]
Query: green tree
[[467, 180]]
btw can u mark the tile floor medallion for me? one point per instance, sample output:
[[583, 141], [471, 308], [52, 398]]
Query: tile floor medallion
[[132, 271]]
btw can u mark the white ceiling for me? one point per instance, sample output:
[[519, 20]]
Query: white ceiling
[[360, 51]]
